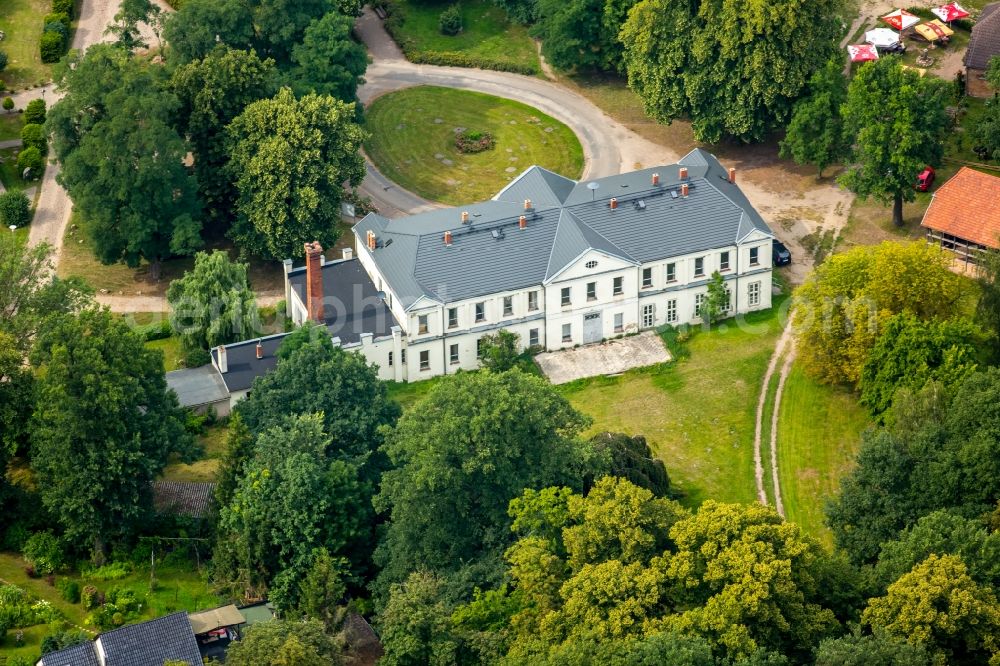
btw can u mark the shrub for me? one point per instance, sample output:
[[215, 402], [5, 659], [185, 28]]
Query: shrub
[[34, 112], [474, 141], [56, 17], [44, 552], [196, 358], [34, 135], [15, 208], [30, 158], [8, 103], [63, 7], [159, 330], [69, 589], [450, 20], [51, 45], [57, 27], [3, 61], [90, 597], [110, 571], [63, 638], [457, 59]]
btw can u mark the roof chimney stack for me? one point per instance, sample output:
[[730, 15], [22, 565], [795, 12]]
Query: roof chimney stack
[[314, 279], [260, 350], [684, 190], [371, 240], [522, 222], [683, 173], [656, 179], [732, 175], [220, 360], [527, 204], [347, 253], [465, 217], [613, 203], [447, 238]]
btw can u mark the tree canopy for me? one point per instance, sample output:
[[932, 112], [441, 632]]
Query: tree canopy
[[285, 643], [328, 61], [732, 68], [815, 134], [898, 121], [290, 159]]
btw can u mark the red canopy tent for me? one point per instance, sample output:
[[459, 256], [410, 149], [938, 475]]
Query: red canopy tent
[[950, 12], [862, 52], [900, 19]]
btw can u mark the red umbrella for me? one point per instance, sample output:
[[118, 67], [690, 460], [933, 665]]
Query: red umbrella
[[862, 52], [950, 12], [900, 19]]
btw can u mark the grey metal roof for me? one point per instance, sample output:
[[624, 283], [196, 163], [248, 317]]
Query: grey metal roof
[[153, 642], [243, 364], [491, 254], [78, 655], [197, 386]]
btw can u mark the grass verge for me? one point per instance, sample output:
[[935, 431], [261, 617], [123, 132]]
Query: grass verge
[[21, 22], [10, 124], [413, 142]]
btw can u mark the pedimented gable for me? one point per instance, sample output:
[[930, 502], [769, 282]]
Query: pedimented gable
[[592, 262]]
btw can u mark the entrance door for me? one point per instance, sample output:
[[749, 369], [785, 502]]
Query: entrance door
[[592, 329]]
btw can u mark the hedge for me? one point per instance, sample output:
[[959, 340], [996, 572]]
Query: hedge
[[34, 112], [51, 45], [159, 330], [34, 135], [63, 7]]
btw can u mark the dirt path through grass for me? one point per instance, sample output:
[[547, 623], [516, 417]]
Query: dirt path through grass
[[758, 460]]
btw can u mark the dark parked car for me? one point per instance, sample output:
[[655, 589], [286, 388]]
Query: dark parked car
[[780, 254]]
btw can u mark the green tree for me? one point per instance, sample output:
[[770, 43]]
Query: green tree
[[728, 66], [939, 606], [292, 500], [8, 104], [125, 27], [415, 626], [993, 72], [815, 134], [213, 303], [898, 123], [212, 91], [717, 298], [988, 305], [239, 451], [34, 136], [285, 643], [199, 26], [15, 208], [323, 588], [582, 34], [328, 61], [910, 352], [878, 650], [470, 446], [498, 351], [290, 159], [632, 459], [34, 112], [30, 163], [985, 132], [843, 304], [103, 427]]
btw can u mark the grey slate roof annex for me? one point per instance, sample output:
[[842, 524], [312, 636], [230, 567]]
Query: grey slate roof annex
[[153, 642], [492, 254], [197, 386], [985, 40], [78, 655]]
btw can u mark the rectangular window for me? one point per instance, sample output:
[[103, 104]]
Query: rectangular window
[[390, 359], [479, 348], [421, 323], [508, 306], [480, 311], [754, 256], [567, 333], [672, 311], [402, 356], [724, 261], [647, 277], [591, 291], [619, 322], [671, 272], [729, 301], [699, 267], [532, 300], [533, 337], [452, 317], [453, 354], [753, 294], [425, 360], [565, 296], [698, 300], [618, 286], [648, 315]]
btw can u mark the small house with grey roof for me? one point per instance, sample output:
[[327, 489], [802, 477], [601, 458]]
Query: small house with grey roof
[[559, 262]]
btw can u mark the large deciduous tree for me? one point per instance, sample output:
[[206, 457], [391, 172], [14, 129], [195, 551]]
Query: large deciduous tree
[[285, 643], [843, 305], [199, 26], [212, 304], [581, 34], [328, 61], [290, 159], [103, 427], [472, 445], [816, 134], [872, 650], [898, 122], [735, 68], [214, 90]]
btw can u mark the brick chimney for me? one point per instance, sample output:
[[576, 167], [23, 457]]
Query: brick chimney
[[371, 240], [656, 179], [260, 350], [732, 175], [522, 222], [684, 190], [465, 217], [613, 203], [683, 173], [527, 204], [314, 281], [220, 359], [447, 238]]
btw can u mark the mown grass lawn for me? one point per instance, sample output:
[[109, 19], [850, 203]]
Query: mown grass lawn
[[10, 123], [697, 413], [486, 34], [819, 434], [413, 142], [10, 175], [173, 356], [204, 470], [21, 22]]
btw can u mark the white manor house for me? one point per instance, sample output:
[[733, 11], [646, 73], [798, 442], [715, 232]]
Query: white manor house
[[557, 262]]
